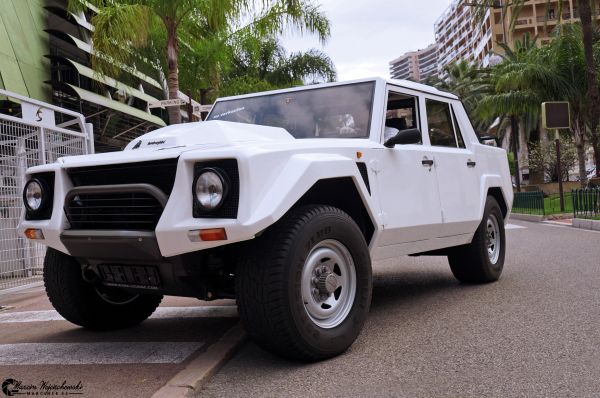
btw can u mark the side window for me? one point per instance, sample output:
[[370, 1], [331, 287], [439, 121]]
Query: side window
[[441, 131], [459, 136], [401, 114]]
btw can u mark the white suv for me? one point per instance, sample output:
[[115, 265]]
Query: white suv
[[280, 200]]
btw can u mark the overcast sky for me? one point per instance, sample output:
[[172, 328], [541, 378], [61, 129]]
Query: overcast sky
[[367, 34]]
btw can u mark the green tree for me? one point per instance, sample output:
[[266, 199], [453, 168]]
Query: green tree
[[566, 53], [516, 87], [542, 157], [591, 74], [587, 8], [266, 65], [124, 26]]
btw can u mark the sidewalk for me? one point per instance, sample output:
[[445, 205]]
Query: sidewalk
[[37, 344]]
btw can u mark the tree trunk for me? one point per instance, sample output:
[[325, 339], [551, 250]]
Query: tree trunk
[[591, 73], [536, 176], [514, 130], [173, 67], [594, 141], [579, 136]]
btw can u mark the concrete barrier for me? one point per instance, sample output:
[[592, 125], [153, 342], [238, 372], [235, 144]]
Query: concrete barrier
[[583, 223]]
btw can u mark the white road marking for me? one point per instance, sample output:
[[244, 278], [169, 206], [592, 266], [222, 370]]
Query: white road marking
[[96, 353], [514, 226], [227, 311]]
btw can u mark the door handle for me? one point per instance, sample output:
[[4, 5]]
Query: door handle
[[470, 163], [427, 162]]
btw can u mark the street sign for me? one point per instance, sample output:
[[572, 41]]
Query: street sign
[[556, 115], [167, 103], [202, 108]]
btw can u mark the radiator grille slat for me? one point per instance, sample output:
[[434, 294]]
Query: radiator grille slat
[[121, 210]]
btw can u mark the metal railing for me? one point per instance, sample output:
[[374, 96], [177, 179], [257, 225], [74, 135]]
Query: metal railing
[[586, 203], [28, 141], [529, 203]]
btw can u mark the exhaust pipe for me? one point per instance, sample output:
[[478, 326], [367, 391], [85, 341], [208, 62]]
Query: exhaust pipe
[[89, 274]]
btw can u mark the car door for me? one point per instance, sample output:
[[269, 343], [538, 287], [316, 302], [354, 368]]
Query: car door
[[406, 178], [455, 167]]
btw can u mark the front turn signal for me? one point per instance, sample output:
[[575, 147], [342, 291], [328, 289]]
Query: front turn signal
[[207, 235], [34, 234]]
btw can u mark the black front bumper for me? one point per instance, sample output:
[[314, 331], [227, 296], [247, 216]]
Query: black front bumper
[[131, 260]]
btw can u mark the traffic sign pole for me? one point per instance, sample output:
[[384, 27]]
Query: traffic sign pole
[[559, 172]]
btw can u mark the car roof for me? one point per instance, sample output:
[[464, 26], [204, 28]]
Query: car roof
[[394, 82]]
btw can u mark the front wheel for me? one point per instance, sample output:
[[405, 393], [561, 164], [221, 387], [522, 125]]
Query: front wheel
[[89, 305], [304, 287], [482, 260]]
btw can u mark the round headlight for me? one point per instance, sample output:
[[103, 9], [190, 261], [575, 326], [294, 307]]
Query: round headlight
[[34, 195], [210, 189]]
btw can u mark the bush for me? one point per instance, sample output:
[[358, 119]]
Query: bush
[[542, 158]]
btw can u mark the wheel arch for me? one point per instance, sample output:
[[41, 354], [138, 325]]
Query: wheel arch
[[341, 192], [496, 193]]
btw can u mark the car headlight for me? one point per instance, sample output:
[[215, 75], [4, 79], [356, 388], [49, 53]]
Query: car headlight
[[34, 195], [211, 188]]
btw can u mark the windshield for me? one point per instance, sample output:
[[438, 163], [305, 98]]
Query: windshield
[[330, 112]]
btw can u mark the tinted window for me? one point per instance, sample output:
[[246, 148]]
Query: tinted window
[[331, 112], [401, 114], [459, 137], [441, 132]]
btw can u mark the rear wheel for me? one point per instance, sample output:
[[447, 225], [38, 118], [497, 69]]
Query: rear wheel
[[90, 305], [304, 287], [482, 260]]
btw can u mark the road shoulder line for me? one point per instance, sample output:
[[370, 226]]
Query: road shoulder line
[[189, 381]]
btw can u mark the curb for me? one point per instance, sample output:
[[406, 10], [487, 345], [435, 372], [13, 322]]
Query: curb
[[583, 223], [526, 217], [189, 382]]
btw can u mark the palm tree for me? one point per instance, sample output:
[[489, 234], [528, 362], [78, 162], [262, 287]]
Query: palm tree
[[265, 64], [516, 87], [591, 73], [586, 8], [567, 54], [122, 26]]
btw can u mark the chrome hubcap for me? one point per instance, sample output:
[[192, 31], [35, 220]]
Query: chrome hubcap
[[328, 283], [492, 238]]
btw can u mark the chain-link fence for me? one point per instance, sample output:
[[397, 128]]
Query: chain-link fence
[[26, 143]]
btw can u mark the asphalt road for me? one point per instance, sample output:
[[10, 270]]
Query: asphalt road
[[535, 333], [37, 345]]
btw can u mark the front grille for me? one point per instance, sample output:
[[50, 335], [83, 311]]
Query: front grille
[[121, 210], [137, 211], [160, 173]]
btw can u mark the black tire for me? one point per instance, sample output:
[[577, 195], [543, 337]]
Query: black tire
[[268, 284], [471, 263], [80, 303]]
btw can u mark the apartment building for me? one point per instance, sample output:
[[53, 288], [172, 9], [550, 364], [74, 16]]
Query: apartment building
[[45, 54], [460, 38], [537, 18], [415, 65]]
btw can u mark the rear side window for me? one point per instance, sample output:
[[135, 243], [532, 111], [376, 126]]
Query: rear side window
[[459, 137], [440, 124]]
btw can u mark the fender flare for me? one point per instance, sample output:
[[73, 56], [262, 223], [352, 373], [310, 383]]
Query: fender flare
[[298, 176]]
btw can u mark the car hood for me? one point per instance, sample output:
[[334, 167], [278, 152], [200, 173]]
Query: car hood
[[171, 141]]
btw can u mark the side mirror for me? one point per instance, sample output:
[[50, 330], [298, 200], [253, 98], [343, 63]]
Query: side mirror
[[489, 140], [404, 137]]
